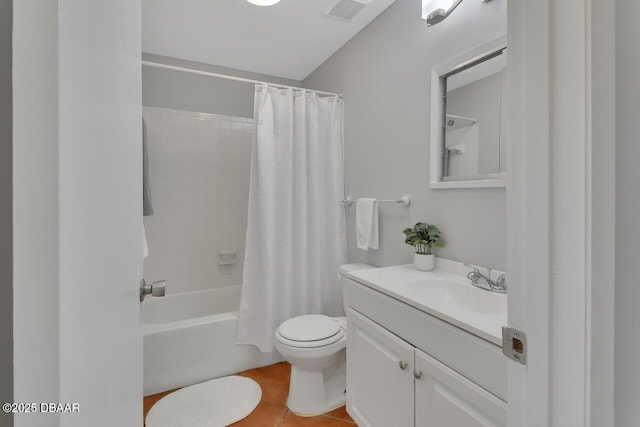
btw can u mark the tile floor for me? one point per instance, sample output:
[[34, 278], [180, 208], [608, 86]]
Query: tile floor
[[272, 410]]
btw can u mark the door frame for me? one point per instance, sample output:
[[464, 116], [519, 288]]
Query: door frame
[[560, 202]]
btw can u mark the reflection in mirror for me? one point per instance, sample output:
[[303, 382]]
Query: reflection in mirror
[[473, 147]]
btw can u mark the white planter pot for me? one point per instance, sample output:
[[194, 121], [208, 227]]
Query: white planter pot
[[424, 262]]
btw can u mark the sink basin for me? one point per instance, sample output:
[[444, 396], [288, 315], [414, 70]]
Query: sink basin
[[460, 295], [444, 293]]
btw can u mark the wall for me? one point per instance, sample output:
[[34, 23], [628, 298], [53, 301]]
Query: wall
[[383, 73], [627, 378], [6, 207], [199, 178], [183, 91], [35, 207]]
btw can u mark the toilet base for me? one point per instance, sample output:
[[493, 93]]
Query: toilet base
[[315, 393]]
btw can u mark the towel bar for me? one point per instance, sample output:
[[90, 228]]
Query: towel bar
[[404, 200]]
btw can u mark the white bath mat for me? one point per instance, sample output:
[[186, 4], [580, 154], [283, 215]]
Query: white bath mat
[[215, 403]]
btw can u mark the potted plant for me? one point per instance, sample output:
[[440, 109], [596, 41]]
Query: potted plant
[[423, 237]]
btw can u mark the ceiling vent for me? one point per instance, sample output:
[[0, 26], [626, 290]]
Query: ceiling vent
[[345, 10]]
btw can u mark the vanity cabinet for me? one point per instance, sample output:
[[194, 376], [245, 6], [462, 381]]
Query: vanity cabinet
[[380, 383], [443, 398], [405, 368]]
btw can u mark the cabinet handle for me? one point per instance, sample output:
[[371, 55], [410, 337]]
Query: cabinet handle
[[403, 365], [417, 374]]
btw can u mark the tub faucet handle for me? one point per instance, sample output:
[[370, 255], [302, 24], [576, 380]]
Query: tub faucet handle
[[156, 289]]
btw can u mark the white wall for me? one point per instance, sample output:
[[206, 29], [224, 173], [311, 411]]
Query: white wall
[[383, 73], [627, 378], [199, 176], [35, 207], [6, 209]]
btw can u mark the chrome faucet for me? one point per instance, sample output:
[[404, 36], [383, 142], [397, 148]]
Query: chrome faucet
[[483, 282]]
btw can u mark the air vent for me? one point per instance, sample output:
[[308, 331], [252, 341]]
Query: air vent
[[345, 10]]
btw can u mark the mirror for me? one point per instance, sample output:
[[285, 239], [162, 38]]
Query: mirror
[[472, 139], [467, 137]]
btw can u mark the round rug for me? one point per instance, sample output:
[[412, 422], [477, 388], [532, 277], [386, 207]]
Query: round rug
[[214, 403]]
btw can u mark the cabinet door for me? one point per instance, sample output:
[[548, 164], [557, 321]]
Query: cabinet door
[[380, 383], [445, 398]]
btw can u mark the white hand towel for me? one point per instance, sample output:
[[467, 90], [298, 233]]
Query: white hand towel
[[145, 245], [367, 224]]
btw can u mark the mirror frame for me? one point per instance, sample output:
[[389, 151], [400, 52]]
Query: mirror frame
[[437, 113]]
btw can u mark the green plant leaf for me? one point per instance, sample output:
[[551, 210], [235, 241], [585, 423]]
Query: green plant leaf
[[423, 236]]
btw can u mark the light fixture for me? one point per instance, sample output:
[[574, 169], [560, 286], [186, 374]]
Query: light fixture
[[263, 2], [435, 11]]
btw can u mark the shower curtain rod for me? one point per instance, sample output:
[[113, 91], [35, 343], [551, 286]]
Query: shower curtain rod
[[227, 77]]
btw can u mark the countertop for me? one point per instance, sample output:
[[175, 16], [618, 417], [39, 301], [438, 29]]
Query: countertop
[[444, 293]]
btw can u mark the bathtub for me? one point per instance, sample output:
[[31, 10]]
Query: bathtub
[[190, 337]]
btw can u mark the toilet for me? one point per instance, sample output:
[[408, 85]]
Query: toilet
[[315, 346]]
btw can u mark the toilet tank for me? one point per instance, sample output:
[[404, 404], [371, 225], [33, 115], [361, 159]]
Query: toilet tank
[[343, 270]]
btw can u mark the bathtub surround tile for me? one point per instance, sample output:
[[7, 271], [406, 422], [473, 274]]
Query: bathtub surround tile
[[199, 173], [272, 410]]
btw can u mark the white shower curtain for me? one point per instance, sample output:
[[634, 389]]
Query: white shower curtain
[[296, 237]]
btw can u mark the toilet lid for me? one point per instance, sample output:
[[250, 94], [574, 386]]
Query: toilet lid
[[310, 328]]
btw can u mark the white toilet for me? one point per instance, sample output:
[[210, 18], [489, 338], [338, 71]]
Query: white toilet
[[315, 346]]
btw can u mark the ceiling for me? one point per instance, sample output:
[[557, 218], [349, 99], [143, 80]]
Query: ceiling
[[290, 39]]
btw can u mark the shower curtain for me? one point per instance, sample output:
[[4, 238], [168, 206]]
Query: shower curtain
[[296, 236]]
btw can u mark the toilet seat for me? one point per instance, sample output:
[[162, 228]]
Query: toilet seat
[[310, 331], [315, 346]]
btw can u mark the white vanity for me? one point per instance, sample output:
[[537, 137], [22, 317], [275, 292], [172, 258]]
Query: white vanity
[[424, 349]]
